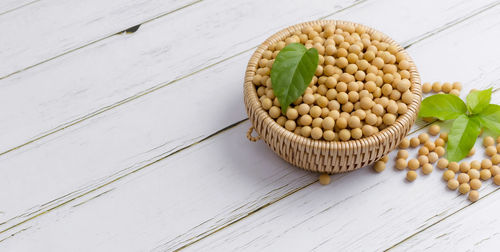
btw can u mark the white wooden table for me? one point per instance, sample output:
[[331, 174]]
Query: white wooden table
[[115, 141]]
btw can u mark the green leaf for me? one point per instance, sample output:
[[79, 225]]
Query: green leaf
[[490, 117], [462, 136], [292, 72], [442, 106], [478, 100]]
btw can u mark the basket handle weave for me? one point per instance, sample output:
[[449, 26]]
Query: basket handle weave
[[250, 137]]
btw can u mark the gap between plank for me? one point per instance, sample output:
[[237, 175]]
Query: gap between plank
[[452, 23], [247, 215], [98, 40], [437, 222], [19, 7]]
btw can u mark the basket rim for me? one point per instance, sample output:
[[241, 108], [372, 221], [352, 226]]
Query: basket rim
[[253, 104]]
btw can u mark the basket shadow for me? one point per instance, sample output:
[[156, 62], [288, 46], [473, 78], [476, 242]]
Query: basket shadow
[[255, 161], [256, 164]]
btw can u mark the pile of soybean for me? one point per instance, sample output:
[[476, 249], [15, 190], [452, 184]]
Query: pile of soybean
[[361, 85], [465, 176]]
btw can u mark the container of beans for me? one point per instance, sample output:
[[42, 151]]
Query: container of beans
[[361, 103]]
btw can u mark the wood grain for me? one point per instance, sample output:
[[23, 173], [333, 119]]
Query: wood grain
[[195, 192], [7, 6], [474, 228], [44, 30]]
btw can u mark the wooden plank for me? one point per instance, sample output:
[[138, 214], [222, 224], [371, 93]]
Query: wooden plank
[[43, 30], [109, 81], [475, 228], [211, 165], [7, 6]]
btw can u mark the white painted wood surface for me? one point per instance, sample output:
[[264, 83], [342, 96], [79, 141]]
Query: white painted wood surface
[[60, 26], [132, 156], [471, 229], [153, 140], [7, 6]]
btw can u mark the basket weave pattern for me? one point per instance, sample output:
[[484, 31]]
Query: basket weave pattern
[[321, 155]]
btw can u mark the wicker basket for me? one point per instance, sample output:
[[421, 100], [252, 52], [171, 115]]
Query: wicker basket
[[320, 155]]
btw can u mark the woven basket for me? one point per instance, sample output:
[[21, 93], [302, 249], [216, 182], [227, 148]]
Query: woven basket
[[320, 155]]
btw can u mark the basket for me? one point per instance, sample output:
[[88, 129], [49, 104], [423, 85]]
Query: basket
[[320, 155]]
